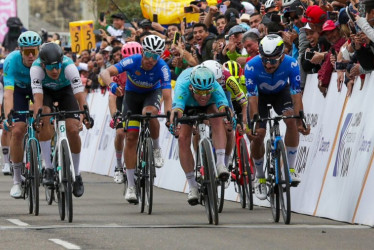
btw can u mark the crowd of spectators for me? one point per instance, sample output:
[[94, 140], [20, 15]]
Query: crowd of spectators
[[323, 35]]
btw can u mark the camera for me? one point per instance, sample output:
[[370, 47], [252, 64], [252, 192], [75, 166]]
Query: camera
[[341, 65], [309, 55]]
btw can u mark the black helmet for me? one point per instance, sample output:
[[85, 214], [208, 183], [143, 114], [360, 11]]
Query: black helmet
[[50, 53]]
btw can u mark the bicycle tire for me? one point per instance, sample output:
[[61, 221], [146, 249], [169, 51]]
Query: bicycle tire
[[271, 185], [125, 183], [149, 174], [35, 179], [284, 183], [60, 192], [28, 193], [140, 179], [246, 174], [238, 178], [49, 195], [210, 180], [68, 183], [221, 196]]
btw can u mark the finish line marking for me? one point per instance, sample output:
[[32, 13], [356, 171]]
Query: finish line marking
[[18, 222], [65, 244]]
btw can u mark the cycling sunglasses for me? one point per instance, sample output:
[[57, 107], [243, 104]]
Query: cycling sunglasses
[[27, 52], [204, 92], [50, 67], [271, 61], [154, 56]]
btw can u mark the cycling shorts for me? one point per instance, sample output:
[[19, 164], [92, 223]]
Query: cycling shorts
[[64, 97], [281, 102], [21, 101], [135, 102]]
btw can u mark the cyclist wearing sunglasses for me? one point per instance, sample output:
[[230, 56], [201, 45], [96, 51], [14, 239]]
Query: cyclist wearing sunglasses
[[55, 78], [17, 94], [197, 91], [274, 78], [148, 79]]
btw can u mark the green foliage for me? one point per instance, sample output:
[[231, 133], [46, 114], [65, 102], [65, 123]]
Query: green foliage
[[131, 8]]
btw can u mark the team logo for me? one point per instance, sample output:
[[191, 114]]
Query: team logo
[[36, 82], [294, 64], [138, 73], [76, 80]]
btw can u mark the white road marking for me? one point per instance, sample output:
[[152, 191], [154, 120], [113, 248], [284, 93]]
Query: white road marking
[[65, 244], [18, 222]]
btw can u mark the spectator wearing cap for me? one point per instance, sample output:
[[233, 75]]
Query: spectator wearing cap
[[319, 46], [334, 37], [234, 49], [244, 18], [204, 41], [118, 26], [249, 8]]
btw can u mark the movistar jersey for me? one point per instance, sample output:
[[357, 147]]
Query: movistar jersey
[[140, 80], [183, 96], [259, 81], [15, 72], [69, 76]]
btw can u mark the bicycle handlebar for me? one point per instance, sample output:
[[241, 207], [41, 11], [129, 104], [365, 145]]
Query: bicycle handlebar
[[145, 117], [17, 112]]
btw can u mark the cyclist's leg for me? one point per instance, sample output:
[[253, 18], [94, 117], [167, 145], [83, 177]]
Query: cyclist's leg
[[5, 143], [152, 103], [230, 138]]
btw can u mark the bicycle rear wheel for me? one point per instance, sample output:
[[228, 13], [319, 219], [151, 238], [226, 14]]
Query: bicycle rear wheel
[[246, 174], [284, 183], [210, 180], [149, 174], [236, 173], [271, 185], [35, 179], [140, 182], [28, 192], [60, 190], [67, 180], [221, 195]]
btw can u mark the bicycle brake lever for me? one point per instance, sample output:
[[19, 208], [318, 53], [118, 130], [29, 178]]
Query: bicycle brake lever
[[302, 117]]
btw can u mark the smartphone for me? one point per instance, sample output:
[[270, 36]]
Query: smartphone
[[309, 55], [188, 9], [223, 8], [97, 32], [102, 15], [352, 28], [74, 57], [185, 22], [332, 15], [284, 19], [333, 52], [177, 36], [155, 18], [126, 34], [341, 65]]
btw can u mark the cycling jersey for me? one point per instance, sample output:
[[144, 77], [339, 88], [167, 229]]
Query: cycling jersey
[[258, 80], [69, 75], [140, 80], [183, 96], [232, 85], [15, 72]]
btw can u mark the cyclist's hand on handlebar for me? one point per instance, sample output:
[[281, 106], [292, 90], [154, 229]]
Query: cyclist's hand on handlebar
[[38, 125], [6, 125], [302, 130], [228, 124], [89, 123]]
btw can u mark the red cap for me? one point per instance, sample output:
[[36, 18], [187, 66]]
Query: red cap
[[314, 14], [328, 25]]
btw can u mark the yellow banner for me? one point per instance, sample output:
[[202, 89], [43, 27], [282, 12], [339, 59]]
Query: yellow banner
[[82, 36], [169, 11]]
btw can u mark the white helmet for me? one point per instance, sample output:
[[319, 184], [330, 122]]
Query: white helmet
[[286, 3], [271, 45], [249, 8], [269, 4], [154, 44], [215, 67]]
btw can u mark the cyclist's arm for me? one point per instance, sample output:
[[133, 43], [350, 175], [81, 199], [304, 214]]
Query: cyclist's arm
[[219, 97], [232, 83], [37, 75], [166, 87], [252, 90], [106, 75], [253, 106], [166, 95], [8, 86]]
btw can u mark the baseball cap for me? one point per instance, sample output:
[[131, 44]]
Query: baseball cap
[[236, 30], [314, 14], [108, 48], [328, 25], [343, 16], [248, 8], [244, 17], [306, 27], [119, 16]]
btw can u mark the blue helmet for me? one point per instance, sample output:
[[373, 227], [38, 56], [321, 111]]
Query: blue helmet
[[29, 39], [202, 78]]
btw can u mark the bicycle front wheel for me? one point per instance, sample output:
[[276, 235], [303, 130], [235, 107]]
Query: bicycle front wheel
[[149, 174], [284, 183], [221, 195], [210, 180], [271, 185], [246, 174], [34, 172], [67, 180]]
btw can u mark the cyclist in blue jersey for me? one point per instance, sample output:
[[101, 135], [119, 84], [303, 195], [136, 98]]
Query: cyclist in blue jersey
[[55, 78], [267, 77], [148, 79], [197, 91], [17, 95]]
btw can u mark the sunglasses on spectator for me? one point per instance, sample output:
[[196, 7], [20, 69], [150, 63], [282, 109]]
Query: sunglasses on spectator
[[50, 67], [154, 56], [269, 60], [204, 92], [27, 52]]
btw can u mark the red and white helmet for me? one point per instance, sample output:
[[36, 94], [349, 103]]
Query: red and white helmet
[[131, 48]]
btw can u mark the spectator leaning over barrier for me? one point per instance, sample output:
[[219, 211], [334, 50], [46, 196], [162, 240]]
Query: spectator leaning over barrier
[[118, 26], [334, 37], [204, 42]]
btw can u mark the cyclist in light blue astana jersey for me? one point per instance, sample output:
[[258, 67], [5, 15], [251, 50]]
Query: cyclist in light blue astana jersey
[[55, 78], [148, 79], [267, 77], [197, 91], [17, 95]]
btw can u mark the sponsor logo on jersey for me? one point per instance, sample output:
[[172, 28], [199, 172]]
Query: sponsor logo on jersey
[[165, 71], [138, 73], [36, 82], [294, 64], [76, 81]]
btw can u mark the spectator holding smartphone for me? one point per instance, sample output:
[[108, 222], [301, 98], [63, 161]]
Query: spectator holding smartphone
[[118, 26]]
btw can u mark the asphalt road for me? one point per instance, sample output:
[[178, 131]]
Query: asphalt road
[[104, 220]]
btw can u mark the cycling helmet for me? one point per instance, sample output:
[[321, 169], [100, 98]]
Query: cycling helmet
[[202, 78], [215, 67], [269, 4], [29, 39], [232, 68], [131, 48], [51, 53], [271, 45], [286, 3], [154, 44], [248, 8]]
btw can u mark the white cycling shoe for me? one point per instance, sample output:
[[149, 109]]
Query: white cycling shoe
[[157, 155], [131, 195], [118, 176], [16, 191], [6, 169]]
